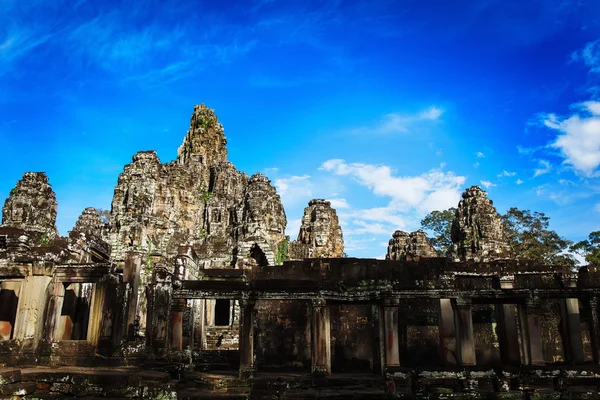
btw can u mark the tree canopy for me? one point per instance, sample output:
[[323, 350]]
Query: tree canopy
[[590, 248], [531, 239], [440, 223]]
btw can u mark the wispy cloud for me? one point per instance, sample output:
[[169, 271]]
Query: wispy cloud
[[487, 184], [479, 154], [401, 123], [544, 168], [589, 55], [506, 173]]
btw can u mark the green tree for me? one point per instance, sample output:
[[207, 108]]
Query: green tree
[[590, 248], [530, 238], [440, 223]]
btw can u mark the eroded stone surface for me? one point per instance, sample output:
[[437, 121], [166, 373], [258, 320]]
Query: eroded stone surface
[[477, 233], [320, 234], [201, 200], [32, 205], [405, 245]]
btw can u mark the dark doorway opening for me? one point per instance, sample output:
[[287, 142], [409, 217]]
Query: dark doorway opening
[[75, 313], [8, 313], [258, 256], [222, 312]]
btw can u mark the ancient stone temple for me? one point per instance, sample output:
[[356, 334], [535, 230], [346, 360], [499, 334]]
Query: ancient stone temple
[[404, 245], [477, 233], [180, 294], [320, 233]]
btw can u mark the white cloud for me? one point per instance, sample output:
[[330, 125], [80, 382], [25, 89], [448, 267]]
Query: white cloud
[[545, 167], [294, 189], [579, 137], [339, 203], [293, 227], [401, 123], [519, 182], [590, 55], [479, 154], [409, 198], [407, 191], [432, 113], [487, 184], [506, 173], [476, 165]]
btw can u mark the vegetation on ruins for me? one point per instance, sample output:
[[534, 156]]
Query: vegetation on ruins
[[282, 251], [440, 223], [590, 248], [44, 239], [205, 195], [527, 233]]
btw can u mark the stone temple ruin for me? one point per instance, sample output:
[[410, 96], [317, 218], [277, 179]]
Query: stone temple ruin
[[191, 289]]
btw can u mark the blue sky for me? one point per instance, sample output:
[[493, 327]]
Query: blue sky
[[388, 108]]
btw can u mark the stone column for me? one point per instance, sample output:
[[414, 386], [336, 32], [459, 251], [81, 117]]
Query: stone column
[[595, 329], [177, 324], [508, 330], [392, 343], [466, 339], [571, 322], [32, 303], [531, 333], [246, 338], [131, 280], [96, 306], [448, 333], [321, 338], [378, 338], [55, 302]]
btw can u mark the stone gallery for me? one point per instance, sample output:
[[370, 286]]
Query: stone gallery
[[189, 288]]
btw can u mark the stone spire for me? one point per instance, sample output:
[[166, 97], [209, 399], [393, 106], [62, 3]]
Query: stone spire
[[205, 142], [320, 234], [405, 245], [89, 223], [32, 205], [477, 232]]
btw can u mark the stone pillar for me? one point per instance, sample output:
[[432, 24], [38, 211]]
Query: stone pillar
[[448, 333], [131, 279], [531, 333], [96, 306], [53, 331], [595, 329], [177, 324], [508, 330], [32, 303], [378, 339], [571, 323], [246, 338], [392, 342], [321, 338], [466, 339]]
